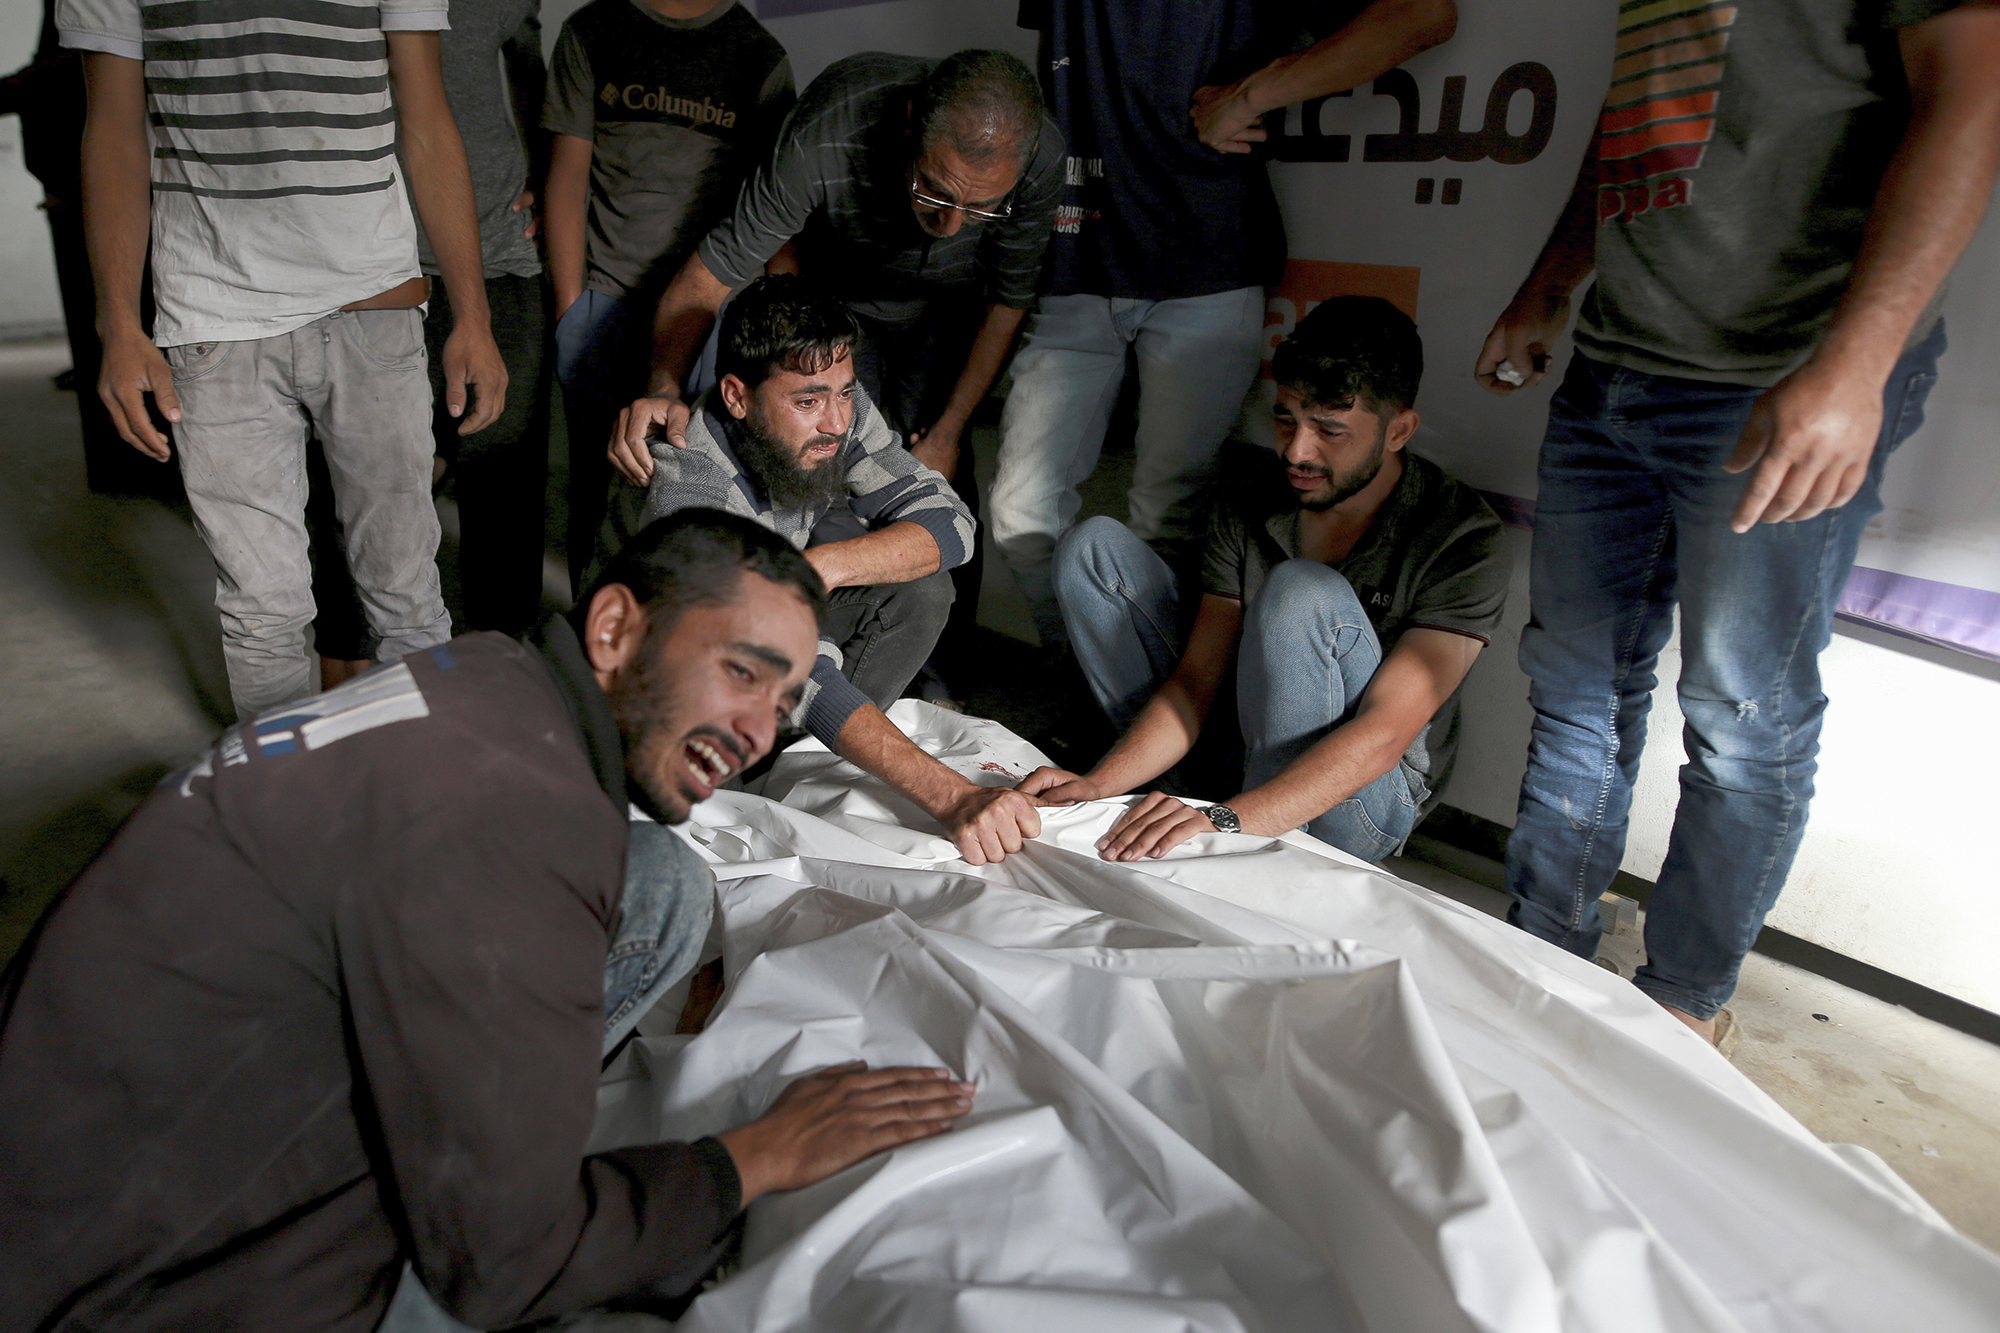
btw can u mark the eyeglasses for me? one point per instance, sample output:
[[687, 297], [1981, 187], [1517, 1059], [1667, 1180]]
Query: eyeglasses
[[947, 205]]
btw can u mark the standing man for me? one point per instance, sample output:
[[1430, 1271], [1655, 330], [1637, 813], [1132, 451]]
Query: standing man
[[1167, 236], [921, 196], [659, 109], [493, 79], [260, 151], [1774, 198], [276, 1043]]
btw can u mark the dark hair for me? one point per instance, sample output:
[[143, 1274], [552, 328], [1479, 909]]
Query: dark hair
[[979, 104], [1353, 347], [693, 557], [780, 322]]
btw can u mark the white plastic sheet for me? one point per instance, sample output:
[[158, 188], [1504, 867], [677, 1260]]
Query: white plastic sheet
[[1256, 1085]]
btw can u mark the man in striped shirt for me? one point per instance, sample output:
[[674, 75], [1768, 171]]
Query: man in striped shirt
[[788, 438], [256, 139]]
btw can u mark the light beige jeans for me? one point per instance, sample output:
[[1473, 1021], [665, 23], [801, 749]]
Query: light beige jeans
[[356, 380]]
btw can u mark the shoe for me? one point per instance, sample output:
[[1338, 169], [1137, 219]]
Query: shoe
[[1728, 1033]]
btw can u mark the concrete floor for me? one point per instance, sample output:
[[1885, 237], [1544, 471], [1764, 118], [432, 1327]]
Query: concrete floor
[[112, 675]]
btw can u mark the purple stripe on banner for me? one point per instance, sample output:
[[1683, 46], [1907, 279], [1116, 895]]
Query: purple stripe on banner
[[784, 9], [1967, 619]]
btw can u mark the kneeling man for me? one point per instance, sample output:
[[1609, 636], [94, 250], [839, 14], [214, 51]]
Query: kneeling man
[[1351, 585], [788, 438], [334, 999]]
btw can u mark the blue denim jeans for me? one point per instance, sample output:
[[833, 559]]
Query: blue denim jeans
[[662, 924], [1632, 520], [1308, 653], [1197, 358]]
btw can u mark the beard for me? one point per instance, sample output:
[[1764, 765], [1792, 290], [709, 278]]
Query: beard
[[778, 471], [644, 706], [1350, 483]]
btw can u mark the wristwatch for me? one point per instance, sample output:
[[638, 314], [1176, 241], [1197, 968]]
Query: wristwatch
[[1223, 818]]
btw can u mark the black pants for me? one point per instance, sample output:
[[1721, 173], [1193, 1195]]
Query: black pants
[[500, 474], [886, 632], [910, 371]]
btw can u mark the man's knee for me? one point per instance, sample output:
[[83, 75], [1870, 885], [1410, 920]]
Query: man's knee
[[920, 606], [1306, 596], [1094, 557]]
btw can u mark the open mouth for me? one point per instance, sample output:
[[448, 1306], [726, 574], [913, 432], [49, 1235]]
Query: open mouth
[[1305, 481], [709, 764], [826, 450]]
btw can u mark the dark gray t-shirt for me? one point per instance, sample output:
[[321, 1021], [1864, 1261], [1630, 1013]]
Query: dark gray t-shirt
[[839, 181], [1739, 150], [678, 111], [483, 106], [1430, 560]]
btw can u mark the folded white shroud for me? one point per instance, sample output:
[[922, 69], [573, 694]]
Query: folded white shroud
[[1256, 1085]]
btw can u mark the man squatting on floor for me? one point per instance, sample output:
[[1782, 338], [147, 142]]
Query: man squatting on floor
[[1350, 584], [788, 438], [258, 1055]]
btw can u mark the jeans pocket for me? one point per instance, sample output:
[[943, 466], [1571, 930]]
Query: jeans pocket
[[1910, 409], [191, 361], [392, 339]]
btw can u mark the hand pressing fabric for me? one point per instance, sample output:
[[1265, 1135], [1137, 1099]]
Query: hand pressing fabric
[[826, 1122], [1153, 827]]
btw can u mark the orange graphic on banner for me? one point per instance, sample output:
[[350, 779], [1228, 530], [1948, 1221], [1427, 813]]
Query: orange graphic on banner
[[1310, 281]]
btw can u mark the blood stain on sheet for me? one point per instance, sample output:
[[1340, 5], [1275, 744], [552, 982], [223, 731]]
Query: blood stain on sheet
[[992, 767]]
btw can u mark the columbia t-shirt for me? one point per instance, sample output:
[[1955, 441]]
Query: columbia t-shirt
[[276, 193], [1149, 211], [1740, 149], [679, 111], [1430, 560]]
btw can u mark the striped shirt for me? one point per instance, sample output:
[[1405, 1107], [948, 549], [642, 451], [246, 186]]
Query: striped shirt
[[885, 485], [839, 181], [276, 193]]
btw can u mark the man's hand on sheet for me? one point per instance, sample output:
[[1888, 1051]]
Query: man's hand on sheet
[[826, 1122], [629, 452], [989, 822], [1152, 827], [1059, 786]]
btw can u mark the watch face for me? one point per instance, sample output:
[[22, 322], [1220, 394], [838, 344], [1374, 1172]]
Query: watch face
[[1224, 819]]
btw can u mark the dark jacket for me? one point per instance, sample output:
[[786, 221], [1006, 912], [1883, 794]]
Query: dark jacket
[[333, 998]]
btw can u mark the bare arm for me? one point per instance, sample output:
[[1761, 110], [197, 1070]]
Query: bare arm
[[899, 553], [686, 310], [1167, 726], [441, 186], [1379, 38], [986, 823], [1412, 683], [117, 223], [1812, 436], [527, 82], [1528, 328], [936, 445], [565, 207]]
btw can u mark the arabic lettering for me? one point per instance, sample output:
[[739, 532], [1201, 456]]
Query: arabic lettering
[[1302, 136]]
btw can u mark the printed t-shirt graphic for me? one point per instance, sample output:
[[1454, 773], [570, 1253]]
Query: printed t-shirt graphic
[[1660, 111]]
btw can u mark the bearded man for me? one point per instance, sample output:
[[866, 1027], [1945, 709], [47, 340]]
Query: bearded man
[[1351, 608], [332, 1003], [789, 439]]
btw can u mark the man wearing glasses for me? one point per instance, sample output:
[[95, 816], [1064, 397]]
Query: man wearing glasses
[[920, 196]]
